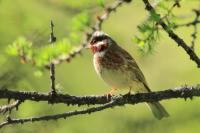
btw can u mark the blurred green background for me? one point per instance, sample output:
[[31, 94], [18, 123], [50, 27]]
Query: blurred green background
[[167, 67]]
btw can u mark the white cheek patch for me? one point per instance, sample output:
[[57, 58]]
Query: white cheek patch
[[99, 44]]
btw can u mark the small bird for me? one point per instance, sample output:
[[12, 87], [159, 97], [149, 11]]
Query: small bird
[[119, 70]]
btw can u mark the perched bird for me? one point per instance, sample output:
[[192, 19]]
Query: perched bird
[[119, 70]]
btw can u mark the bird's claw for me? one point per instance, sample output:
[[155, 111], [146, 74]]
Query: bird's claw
[[109, 95]]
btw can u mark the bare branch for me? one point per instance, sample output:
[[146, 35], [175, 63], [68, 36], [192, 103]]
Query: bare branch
[[10, 121], [179, 92], [194, 34], [175, 37], [195, 22], [59, 98], [52, 66], [10, 107], [105, 16]]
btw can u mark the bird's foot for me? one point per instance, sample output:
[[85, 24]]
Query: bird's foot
[[128, 94], [110, 93]]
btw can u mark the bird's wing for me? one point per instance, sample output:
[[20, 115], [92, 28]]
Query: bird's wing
[[132, 66]]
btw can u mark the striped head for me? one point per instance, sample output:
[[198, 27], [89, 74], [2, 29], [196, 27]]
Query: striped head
[[100, 42]]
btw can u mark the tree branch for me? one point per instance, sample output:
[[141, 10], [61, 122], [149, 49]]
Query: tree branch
[[10, 121], [10, 107], [52, 66], [194, 34], [179, 92], [107, 13], [59, 98], [175, 37], [195, 22]]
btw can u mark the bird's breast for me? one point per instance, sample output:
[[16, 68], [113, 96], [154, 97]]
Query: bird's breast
[[97, 59], [114, 76]]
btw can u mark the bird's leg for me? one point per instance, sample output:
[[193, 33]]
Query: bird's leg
[[129, 92], [110, 93]]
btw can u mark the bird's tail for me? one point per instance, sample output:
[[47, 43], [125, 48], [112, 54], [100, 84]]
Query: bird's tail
[[158, 110]]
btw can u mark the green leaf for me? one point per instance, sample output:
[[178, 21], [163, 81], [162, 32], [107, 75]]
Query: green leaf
[[21, 44], [101, 3], [39, 56], [80, 21], [141, 44], [144, 28], [11, 50], [154, 16]]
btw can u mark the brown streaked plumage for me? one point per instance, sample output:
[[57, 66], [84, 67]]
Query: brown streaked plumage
[[119, 70]]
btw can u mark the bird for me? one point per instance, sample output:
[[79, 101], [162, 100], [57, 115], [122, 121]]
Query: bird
[[119, 69]]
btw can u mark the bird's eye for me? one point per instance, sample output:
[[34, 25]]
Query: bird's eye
[[93, 41], [97, 39]]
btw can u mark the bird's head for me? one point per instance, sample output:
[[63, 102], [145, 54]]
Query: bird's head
[[99, 42]]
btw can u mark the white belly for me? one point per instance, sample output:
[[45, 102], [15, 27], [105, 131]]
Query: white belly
[[119, 80], [115, 78]]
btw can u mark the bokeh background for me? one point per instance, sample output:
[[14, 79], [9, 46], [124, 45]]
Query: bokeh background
[[167, 67]]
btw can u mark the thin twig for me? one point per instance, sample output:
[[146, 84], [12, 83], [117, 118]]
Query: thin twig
[[52, 66], [59, 116], [194, 23], [187, 24], [106, 14], [194, 34], [175, 37], [10, 107]]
